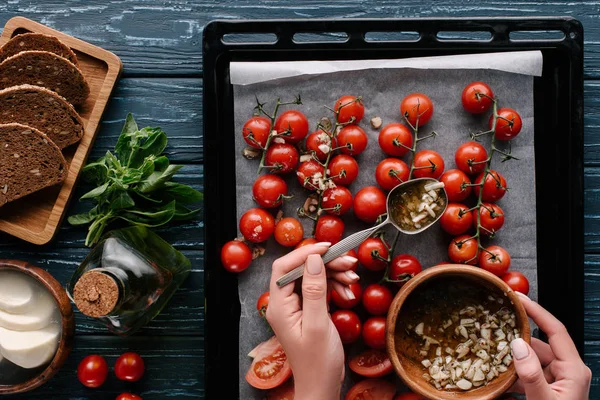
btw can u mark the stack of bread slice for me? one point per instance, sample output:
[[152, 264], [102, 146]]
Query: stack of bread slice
[[40, 83]]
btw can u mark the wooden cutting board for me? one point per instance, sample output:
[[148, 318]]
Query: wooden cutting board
[[37, 217]]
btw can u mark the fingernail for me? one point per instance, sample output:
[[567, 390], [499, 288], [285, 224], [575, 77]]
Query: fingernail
[[349, 293], [352, 275], [521, 295], [323, 244], [519, 349], [314, 265], [350, 259]]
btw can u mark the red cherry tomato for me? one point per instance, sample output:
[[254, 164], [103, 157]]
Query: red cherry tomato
[[236, 256], [289, 232], [477, 97], [320, 143], [329, 229], [471, 158], [416, 107], [391, 172], [295, 123], [517, 282], [395, 139], [283, 392], [369, 204], [347, 324], [352, 139], [263, 303], [373, 333], [282, 158], [409, 396], [256, 132], [377, 299], [309, 173], [269, 190], [371, 389], [92, 371], [491, 218], [463, 250], [428, 164], [257, 225], [508, 125], [341, 302], [495, 259], [337, 200], [343, 169], [270, 367], [371, 364], [369, 252], [456, 185], [457, 219], [129, 367], [494, 187], [128, 396], [306, 242], [403, 268], [349, 107]]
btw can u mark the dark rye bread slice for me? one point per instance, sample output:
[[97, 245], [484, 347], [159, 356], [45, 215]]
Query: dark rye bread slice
[[29, 162], [36, 41], [42, 68], [42, 109]]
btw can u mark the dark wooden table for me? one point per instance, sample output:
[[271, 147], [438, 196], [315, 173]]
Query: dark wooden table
[[160, 44]]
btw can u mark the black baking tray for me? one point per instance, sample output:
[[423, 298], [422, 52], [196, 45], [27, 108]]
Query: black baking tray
[[558, 98]]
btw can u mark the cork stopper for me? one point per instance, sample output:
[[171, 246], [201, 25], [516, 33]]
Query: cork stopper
[[96, 294]]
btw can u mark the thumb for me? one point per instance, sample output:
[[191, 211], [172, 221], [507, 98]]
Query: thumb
[[529, 369], [315, 319]]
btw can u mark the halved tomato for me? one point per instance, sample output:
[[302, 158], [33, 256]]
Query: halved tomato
[[270, 367], [372, 389], [371, 364], [283, 392]]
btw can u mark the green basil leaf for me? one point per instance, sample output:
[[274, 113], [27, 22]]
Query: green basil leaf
[[183, 213], [84, 218], [153, 143], [161, 163], [96, 172], [148, 218], [182, 193], [127, 140], [123, 201], [147, 198], [130, 125], [92, 194], [157, 179], [112, 162]]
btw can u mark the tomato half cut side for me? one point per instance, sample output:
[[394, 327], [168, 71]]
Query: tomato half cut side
[[372, 389], [270, 367], [371, 364], [283, 392]]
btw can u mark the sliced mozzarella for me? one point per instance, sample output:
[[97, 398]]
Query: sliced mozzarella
[[30, 349], [16, 292], [42, 310]]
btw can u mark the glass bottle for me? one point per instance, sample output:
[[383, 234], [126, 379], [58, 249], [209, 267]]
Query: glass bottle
[[128, 278]]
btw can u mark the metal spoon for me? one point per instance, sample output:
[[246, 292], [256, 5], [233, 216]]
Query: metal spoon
[[357, 238]]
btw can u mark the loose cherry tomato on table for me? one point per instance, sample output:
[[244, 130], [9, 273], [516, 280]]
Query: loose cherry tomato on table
[[337, 200], [269, 190], [352, 139], [371, 364], [471, 158], [340, 302], [256, 132], [347, 324], [491, 218], [128, 396], [309, 173], [495, 259], [281, 158], [372, 253], [517, 282], [508, 125], [262, 303], [477, 97], [321, 144], [377, 299], [457, 219], [349, 107], [92, 371], [283, 392], [236, 256], [329, 229], [306, 242], [129, 367], [369, 204], [409, 396], [372, 389], [494, 187], [295, 123], [289, 232], [395, 139], [343, 169], [391, 172], [270, 367], [257, 225], [428, 164], [456, 184], [463, 249], [404, 267], [373, 332], [416, 107]]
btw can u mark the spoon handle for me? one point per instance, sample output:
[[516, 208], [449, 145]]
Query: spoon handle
[[334, 252]]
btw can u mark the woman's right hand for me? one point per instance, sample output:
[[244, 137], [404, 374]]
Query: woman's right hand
[[553, 371]]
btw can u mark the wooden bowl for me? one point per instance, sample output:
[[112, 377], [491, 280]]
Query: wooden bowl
[[67, 322], [411, 371]]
